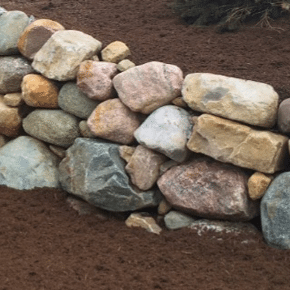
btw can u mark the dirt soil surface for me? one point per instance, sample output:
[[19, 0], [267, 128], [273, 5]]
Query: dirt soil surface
[[44, 244]]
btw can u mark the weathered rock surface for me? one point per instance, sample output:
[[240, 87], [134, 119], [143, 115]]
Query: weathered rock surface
[[236, 99], [94, 171], [143, 167], [72, 100], [146, 87], [36, 35], [115, 52], [257, 185], [229, 141], [13, 69], [125, 64], [143, 220], [168, 123], [126, 152], [210, 189], [94, 78], [275, 212], [12, 24], [113, 121], [60, 57], [176, 220], [38, 91], [53, 126], [26, 163]]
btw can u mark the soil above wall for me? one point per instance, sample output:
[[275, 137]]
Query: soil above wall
[[45, 245]]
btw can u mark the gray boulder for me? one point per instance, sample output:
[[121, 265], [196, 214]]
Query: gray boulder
[[94, 171], [275, 212], [12, 24], [72, 100], [26, 163]]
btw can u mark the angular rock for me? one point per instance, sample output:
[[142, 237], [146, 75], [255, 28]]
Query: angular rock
[[176, 220], [53, 126], [94, 171], [38, 91], [13, 100], [229, 141], [36, 35], [125, 64], [72, 100], [60, 57], [143, 167], [210, 189], [168, 123], [146, 87], [113, 121], [247, 101], [13, 69], [284, 116], [12, 24], [144, 221], [10, 120], [26, 163], [275, 212], [166, 166], [126, 152], [85, 130], [115, 52], [94, 78], [179, 103], [257, 185]]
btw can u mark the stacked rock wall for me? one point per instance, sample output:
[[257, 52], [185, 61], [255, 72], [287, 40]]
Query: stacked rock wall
[[80, 117]]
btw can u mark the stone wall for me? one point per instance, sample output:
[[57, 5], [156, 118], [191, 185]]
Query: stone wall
[[199, 148]]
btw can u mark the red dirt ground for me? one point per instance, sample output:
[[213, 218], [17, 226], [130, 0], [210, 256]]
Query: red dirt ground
[[44, 244]]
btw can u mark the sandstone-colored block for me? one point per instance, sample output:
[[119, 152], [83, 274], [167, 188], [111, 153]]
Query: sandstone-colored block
[[143, 167], [35, 36], [258, 184], [85, 130], [231, 142], [38, 91], [236, 99], [142, 220], [13, 99], [115, 52]]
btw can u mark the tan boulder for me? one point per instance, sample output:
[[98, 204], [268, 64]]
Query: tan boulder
[[10, 120], [38, 91], [258, 184], [231, 142], [143, 167], [113, 121], [13, 99], [115, 52], [36, 35], [241, 100], [125, 64]]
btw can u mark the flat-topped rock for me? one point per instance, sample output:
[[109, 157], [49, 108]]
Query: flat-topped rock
[[241, 100], [60, 57], [229, 141]]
